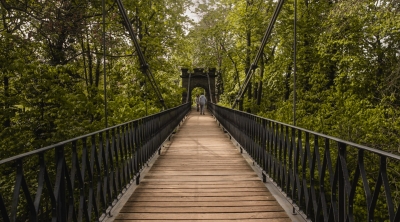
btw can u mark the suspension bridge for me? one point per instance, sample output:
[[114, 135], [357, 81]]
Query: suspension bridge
[[201, 175], [180, 166]]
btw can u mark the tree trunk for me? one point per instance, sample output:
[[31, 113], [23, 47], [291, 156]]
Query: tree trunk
[[84, 65], [260, 83], [287, 83], [248, 51], [98, 64], [7, 121], [236, 77], [90, 62]]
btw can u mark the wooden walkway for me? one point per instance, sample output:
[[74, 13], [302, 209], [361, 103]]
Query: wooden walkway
[[201, 176]]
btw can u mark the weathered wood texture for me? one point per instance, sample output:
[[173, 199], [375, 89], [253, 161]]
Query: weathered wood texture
[[201, 176]]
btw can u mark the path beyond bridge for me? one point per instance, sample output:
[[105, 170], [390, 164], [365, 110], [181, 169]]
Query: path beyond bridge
[[200, 175]]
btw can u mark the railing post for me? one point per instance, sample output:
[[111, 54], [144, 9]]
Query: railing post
[[59, 189], [84, 186], [3, 210], [263, 144], [341, 183], [264, 176], [292, 173], [137, 178]]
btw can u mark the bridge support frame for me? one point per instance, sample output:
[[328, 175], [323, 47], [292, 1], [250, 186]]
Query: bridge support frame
[[199, 78]]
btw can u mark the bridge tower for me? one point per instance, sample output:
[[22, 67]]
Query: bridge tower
[[199, 78]]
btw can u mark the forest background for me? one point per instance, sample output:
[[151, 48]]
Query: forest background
[[52, 70], [53, 66]]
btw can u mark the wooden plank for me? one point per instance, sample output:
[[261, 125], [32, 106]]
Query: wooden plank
[[201, 176], [201, 203], [205, 194], [241, 220], [200, 209], [200, 190], [196, 169], [200, 173], [244, 183], [194, 188], [210, 179], [201, 199], [202, 216]]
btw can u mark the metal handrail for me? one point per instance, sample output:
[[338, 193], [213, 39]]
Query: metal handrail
[[325, 182], [81, 179]]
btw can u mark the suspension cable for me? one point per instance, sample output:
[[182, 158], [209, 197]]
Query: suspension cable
[[103, 5], [259, 53], [294, 61], [144, 66]]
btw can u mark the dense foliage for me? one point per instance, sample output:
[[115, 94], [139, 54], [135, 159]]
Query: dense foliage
[[347, 63], [347, 70], [52, 68]]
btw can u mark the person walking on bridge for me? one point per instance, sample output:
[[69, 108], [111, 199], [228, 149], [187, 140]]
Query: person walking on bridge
[[202, 101]]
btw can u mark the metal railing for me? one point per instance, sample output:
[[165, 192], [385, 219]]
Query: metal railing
[[325, 178], [81, 179]]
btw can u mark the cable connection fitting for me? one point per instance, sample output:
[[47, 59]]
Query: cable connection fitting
[[145, 67], [254, 66]]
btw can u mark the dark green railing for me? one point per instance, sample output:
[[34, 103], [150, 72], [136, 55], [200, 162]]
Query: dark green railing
[[81, 179], [326, 178]]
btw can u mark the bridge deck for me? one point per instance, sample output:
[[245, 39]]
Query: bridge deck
[[201, 176]]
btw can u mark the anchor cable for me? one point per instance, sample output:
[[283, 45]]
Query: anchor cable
[[259, 53], [144, 66]]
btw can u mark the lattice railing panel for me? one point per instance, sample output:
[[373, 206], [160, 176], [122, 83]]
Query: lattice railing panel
[[328, 179], [81, 179]]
